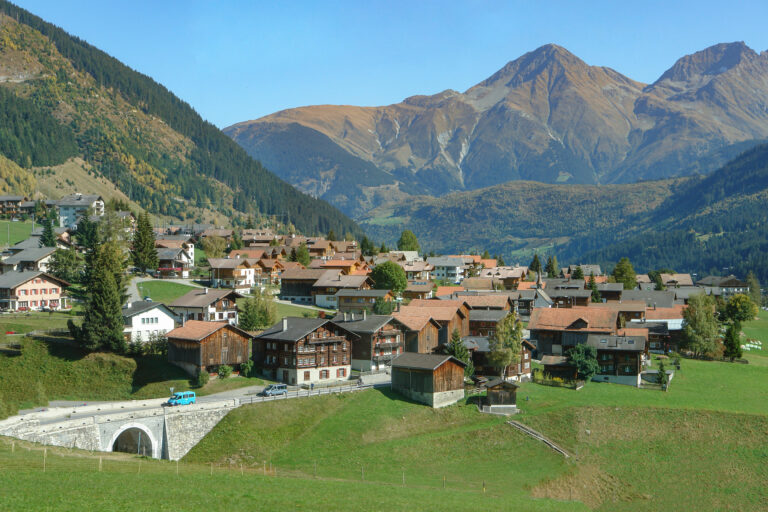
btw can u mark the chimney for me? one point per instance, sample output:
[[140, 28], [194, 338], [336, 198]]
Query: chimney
[[285, 324], [353, 316], [365, 314], [205, 291], [345, 316]]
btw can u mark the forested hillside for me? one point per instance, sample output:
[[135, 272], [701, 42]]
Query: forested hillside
[[131, 130], [715, 223]]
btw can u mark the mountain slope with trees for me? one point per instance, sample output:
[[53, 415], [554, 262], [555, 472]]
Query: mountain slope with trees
[[133, 131]]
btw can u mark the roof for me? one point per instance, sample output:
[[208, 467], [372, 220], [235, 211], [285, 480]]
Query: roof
[[419, 287], [447, 290], [569, 292], [587, 269], [722, 282], [201, 297], [446, 262], [197, 330], [247, 253], [297, 328], [685, 292], [642, 278], [304, 274], [32, 254], [414, 320], [487, 315], [662, 299], [674, 312], [430, 362], [367, 324], [441, 314], [620, 343], [224, 262], [623, 306], [140, 306], [504, 272], [486, 301], [563, 319], [488, 263], [554, 361], [335, 279], [11, 198], [13, 279], [478, 343], [610, 287], [477, 283], [168, 254], [498, 381], [408, 255], [362, 293]]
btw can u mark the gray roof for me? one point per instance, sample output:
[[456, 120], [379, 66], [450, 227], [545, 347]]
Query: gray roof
[[416, 361], [39, 231], [13, 279], [658, 328], [499, 381], [478, 343], [685, 292], [140, 306], [298, 327], [11, 198], [168, 254], [662, 299], [622, 343], [722, 282], [569, 292], [587, 269], [446, 262], [335, 279], [610, 287], [34, 254], [370, 324], [487, 315], [198, 298], [362, 293], [32, 242], [561, 283]]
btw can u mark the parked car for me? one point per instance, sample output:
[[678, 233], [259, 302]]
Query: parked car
[[274, 390], [182, 398]]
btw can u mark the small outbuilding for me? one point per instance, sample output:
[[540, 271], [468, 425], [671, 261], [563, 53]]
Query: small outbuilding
[[501, 392], [435, 380]]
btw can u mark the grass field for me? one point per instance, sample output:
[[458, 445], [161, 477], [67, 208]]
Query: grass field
[[26, 322], [758, 329], [12, 233], [163, 291]]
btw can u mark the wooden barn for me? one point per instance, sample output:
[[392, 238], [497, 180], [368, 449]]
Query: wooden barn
[[201, 345], [435, 380], [501, 392]]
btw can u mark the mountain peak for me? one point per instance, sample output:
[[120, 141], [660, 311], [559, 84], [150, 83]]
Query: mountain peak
[[536, 61], [714, 60]]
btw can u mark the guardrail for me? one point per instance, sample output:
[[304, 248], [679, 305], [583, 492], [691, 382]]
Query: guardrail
[[305, 393]]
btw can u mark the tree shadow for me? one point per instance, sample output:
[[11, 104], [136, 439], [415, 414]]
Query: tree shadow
[[155, 368], [62, 347]]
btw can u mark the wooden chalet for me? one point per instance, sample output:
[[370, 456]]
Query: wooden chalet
[[620, 357], [422, 332], [450, 314], [305, 351], [418, 291], [351, 300], [198, 346], [479, 349], [431, 379], [556, 330], [380, 340], [207, 305]]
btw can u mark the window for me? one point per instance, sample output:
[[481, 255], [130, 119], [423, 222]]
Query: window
[[323, 374], [527, 365], [306, 375]]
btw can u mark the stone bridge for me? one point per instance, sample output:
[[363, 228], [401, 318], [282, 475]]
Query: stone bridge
[[145, 427]]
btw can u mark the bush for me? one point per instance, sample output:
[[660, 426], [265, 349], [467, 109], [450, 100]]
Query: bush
[[202, 378], [225, 371], [246, 369]]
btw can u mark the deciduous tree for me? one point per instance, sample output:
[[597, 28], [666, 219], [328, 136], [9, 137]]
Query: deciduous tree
[[624, 273], [408, 241], [389, 276], [584, 358], [732, 341], [506, 344], [740, 308], [701, 327]]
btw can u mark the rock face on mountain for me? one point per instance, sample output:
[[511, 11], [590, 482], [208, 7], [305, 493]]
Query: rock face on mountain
[[546, 116]]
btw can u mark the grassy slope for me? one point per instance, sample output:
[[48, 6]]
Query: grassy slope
[[72, 483], [163, 291], [757, 329], [17, 231], [387, 437]]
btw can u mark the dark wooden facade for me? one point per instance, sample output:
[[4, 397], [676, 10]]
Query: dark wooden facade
[[227, 346], [447, 377]]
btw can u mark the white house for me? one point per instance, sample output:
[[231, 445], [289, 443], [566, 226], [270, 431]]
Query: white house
[[448, 269], [74, 206], [145, 318]]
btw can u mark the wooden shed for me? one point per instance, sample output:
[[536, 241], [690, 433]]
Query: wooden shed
[[199, 345], [501, 392], [436, 380]]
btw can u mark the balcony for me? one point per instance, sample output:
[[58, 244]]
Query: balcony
[[390, 332], [393, 344], [329, 339], [384, 358]]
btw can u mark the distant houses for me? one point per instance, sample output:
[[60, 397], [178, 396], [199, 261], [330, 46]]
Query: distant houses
[[146, 319], [32, 290]]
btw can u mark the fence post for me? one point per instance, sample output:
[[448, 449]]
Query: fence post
[[45, 456], [99, 464], [403, 478], [362, 472]]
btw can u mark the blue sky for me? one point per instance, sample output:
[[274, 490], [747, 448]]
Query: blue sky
[[240, 60]]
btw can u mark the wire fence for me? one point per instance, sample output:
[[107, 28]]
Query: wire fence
[[16, 456]]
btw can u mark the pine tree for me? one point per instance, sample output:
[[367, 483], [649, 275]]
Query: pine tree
[[535, 265], [596, 297], [486, 255], [554, 272], [102, 327], [732, 341], [383, 307], [331, 236], [143, 251], [249, 315], [624, 273], [49, 237], [302, 255], [754, 288], [249, 224], [383, 248], [500, 260], [367, 247], [456, 348], [578, 273]]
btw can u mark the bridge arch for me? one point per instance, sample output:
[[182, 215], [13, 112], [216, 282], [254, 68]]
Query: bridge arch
[[134, 438]]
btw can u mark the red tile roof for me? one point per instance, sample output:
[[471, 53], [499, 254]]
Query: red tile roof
[[563, 319]]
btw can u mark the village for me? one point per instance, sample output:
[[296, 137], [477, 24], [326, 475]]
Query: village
[[434, 328]]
